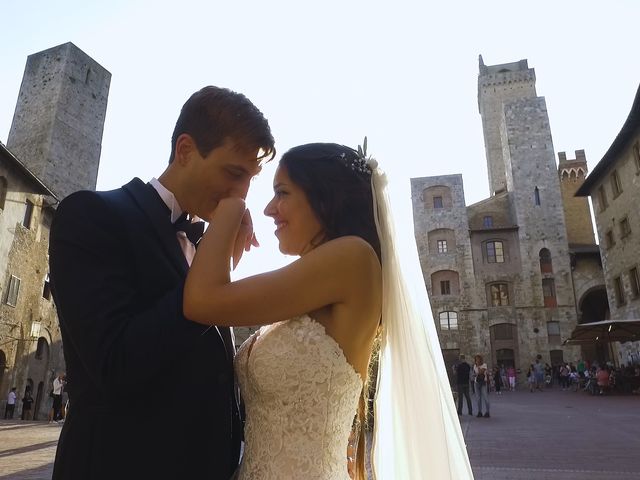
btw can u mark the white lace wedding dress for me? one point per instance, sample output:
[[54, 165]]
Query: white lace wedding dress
[[301, 397]]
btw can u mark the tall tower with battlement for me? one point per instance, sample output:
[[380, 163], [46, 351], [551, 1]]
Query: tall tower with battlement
[[498, 85], [576, 209], [59, 118]]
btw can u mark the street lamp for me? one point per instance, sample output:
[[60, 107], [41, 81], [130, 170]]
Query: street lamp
[[35, 330]]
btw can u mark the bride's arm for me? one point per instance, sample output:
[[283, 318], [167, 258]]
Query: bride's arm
[[332, 273]]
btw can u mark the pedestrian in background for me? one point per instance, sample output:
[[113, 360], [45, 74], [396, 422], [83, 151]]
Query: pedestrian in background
[[480, 383], [463, 375], [58, 385], [11, 404], [511, 375], [27, 401]]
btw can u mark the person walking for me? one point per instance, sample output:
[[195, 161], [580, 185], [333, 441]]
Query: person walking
[[480, 384], [58, 385], [463, 375], [511, 376], [11, 404]]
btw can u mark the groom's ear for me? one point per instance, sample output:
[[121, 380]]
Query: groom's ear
[[185, 149]]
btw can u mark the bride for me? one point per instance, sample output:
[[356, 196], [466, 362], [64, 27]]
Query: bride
[[304, 376]]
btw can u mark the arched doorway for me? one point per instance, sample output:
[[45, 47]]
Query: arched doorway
[[506, 357], [594, 305], [38, 402], [3, 367], [504, 344]]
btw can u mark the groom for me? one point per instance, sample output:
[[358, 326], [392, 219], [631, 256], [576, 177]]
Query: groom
[[151, 393]]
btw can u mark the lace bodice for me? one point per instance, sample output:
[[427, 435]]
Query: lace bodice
[[301, 396]]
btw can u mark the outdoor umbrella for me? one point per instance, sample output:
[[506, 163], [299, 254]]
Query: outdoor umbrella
[[605, 331]]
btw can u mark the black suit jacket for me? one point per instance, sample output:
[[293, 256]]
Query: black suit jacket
[[150, 392]]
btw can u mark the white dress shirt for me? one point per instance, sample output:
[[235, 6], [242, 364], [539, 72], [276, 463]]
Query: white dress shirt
[[172, 204]]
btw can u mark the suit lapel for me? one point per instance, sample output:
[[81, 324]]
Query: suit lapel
[[154, 208], [156, 211]]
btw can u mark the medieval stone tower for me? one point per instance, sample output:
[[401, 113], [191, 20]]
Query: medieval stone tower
[[576, 209], [500, 272], [498, 85], [59, 118]]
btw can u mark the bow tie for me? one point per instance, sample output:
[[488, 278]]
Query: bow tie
[[193, 230]]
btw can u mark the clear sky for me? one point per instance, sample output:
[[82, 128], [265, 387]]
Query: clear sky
[[404, 73]]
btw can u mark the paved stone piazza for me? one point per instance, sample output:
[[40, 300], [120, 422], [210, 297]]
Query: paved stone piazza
[[545, 435]]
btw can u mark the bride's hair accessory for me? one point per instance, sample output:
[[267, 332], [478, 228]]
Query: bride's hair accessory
[[360, 162]]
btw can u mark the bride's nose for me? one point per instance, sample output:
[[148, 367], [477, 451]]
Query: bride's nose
[[270, 209]]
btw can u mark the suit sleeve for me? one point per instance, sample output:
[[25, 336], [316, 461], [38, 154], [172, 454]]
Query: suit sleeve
[[121, 342]]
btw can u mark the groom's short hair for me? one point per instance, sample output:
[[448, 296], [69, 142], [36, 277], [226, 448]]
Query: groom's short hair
[[213, 114]]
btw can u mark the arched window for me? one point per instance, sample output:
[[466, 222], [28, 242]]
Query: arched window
[[546, 265], [437, 197], [445, 282], [536, 195], [441, 240], [448, 320]]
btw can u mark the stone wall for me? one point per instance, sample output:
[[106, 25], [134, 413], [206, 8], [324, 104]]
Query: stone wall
[[624, 254]]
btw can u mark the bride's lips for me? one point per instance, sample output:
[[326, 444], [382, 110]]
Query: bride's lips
[[280, 226]]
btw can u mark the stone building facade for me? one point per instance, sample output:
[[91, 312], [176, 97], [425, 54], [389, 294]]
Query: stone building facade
[[53, 149], [500, 272], [614, 188]]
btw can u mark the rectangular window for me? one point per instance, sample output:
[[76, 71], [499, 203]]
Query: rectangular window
[[549, 292], [13, 291], [442, 246], [499, 295], [487, 221], [503, 331], [437, 202], [602, 198], [636, 156], [448, 321], [495, 252], [616, 186], [625, 229], [28, 213], [536, 195], [619, 290], [635, 282], [445, 287], [610, 240], [553, 331]]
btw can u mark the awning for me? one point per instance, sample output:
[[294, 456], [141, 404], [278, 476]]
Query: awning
[[605, 331]]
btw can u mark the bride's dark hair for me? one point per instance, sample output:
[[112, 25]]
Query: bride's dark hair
[[338, 190]]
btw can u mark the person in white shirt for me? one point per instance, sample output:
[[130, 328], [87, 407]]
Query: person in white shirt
[[11, 404], [56, 409]]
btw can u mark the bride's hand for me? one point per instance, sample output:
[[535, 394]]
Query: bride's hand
[[229, 211]]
